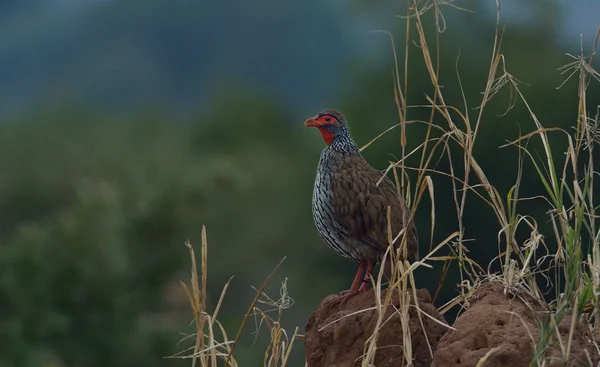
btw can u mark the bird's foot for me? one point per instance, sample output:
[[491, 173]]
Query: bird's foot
[[347, 293], [356, 287], [343, 296]]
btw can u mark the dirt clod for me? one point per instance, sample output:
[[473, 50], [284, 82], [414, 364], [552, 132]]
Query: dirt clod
[[342, 343]]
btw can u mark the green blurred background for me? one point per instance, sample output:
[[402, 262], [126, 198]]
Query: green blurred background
[[127, 125]]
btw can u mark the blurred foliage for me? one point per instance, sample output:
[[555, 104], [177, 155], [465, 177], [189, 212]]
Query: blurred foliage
[[91, 211], [95, 211], [95, 208]]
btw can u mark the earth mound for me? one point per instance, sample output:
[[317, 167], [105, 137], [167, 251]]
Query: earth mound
[[503, 328], [497, 327], [335, 339]]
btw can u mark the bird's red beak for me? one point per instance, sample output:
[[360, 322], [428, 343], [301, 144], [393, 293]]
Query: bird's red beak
[[312, 122]]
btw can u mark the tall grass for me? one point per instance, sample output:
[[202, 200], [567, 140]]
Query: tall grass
[[567, 177], [568, 180]]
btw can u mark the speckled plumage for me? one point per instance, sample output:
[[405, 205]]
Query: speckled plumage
[[349, 207]]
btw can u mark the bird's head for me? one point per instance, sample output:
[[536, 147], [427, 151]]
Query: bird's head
[[330, 123]]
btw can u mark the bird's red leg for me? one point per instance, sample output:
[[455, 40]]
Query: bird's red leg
[[366, 279], [344, 295], [358, 278]]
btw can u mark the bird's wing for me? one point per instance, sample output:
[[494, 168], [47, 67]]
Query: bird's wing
[[360, 205]]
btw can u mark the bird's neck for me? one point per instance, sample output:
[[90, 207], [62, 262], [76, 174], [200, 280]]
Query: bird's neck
[[344, 144]]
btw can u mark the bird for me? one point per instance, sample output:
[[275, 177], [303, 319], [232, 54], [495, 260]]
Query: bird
[[350, 203]]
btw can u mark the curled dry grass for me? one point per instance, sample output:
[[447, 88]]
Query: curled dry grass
[[568, 191]]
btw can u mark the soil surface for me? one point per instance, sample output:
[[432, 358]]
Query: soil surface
[[497, 326]]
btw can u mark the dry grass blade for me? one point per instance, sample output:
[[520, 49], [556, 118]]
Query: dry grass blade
[[196, 294], [260, 290], [198, 301], [483, 359]]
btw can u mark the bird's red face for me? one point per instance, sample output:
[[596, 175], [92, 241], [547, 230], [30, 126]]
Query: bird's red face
[[324, 122]]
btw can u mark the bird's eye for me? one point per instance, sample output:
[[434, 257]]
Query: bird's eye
[[327, 119]]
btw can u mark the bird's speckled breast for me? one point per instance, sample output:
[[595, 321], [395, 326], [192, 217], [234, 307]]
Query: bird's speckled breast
[[323, 211]]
